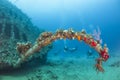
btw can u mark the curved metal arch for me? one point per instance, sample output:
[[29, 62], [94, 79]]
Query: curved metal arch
[[46, 38]]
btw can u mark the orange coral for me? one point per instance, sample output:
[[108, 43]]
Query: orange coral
[[79, 37]]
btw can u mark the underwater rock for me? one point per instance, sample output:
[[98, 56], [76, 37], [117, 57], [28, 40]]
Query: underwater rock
[[115, 64], [15, 26]]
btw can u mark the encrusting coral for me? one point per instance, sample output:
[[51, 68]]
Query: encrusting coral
[[47, 38], [23, 47]]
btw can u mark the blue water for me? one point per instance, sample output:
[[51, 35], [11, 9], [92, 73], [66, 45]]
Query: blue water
[[76, 14], [65, 63]]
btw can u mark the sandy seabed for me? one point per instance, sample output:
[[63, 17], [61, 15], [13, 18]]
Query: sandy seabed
[[69, 69]]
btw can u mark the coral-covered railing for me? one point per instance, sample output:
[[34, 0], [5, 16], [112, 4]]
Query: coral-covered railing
[[26, 49]]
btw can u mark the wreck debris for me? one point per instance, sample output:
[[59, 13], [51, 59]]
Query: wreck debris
[[16, 26], [47, 38]]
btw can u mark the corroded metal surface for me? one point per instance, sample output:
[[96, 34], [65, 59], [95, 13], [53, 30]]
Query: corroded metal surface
[[46, 38]]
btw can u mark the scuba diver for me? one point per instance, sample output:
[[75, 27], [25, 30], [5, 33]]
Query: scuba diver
[[67, 49], [90, 54]]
